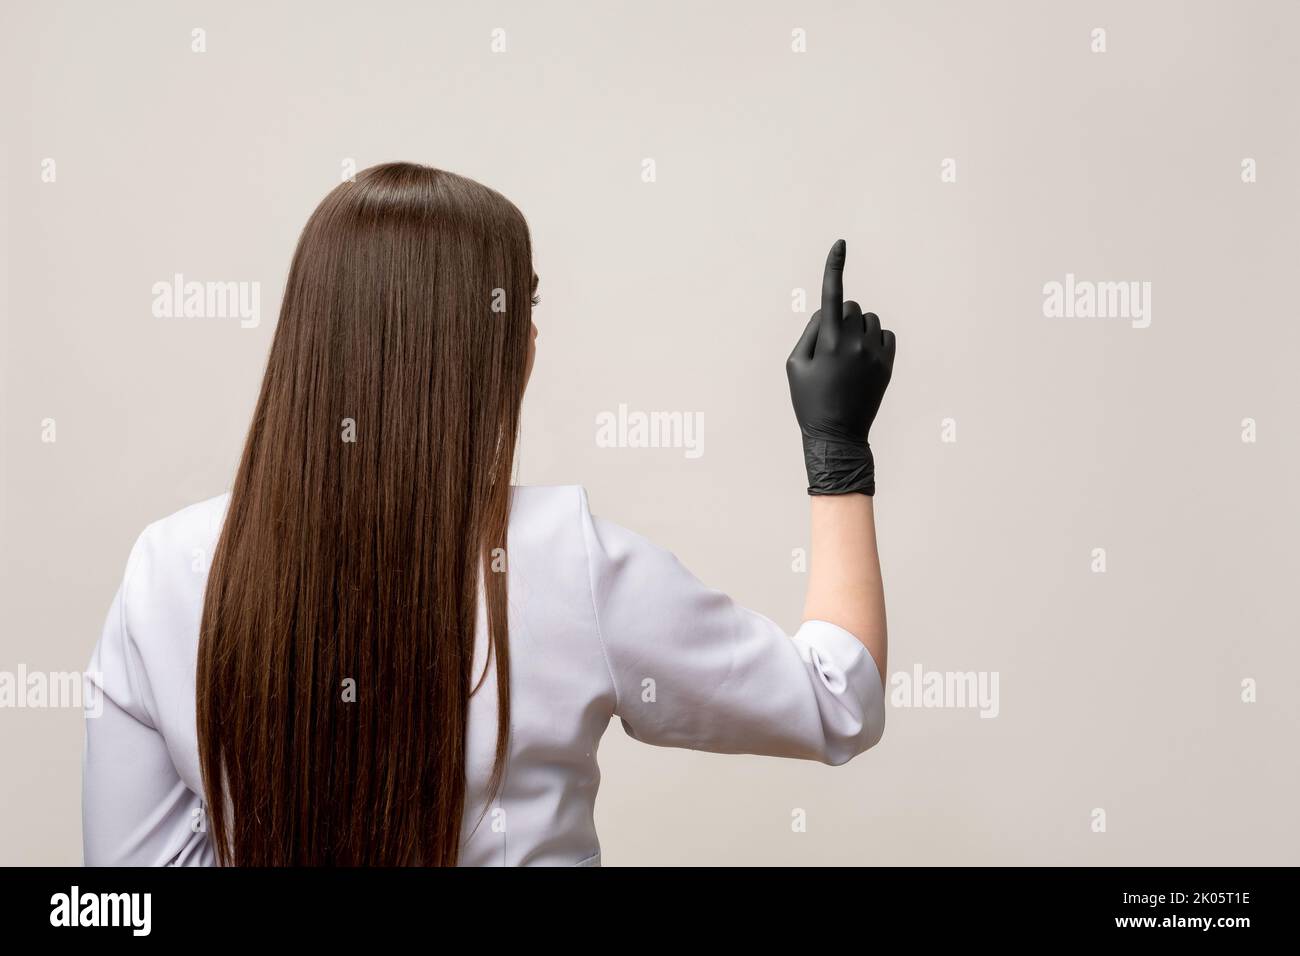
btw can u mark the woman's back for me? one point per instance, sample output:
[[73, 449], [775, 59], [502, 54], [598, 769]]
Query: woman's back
[[377, 651], [601, 623]]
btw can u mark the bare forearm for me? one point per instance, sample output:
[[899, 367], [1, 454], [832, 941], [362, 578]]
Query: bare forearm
[[838, 374], [844, 584]]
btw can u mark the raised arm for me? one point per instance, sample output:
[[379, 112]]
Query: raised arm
[[689, 666], [838, 374]]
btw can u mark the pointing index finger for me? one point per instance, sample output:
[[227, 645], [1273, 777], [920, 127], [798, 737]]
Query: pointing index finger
[[833, 291]]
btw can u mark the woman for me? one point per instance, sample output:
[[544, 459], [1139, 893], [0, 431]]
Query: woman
[[396, 657]]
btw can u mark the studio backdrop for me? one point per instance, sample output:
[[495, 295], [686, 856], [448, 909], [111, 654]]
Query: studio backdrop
[[1082, 221]]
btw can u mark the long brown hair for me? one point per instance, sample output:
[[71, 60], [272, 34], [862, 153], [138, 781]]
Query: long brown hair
[[338, 631]]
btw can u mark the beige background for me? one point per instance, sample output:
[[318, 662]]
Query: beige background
[[1119, 691]]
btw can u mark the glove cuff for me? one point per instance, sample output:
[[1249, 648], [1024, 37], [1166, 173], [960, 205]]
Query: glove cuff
[[839, 467]]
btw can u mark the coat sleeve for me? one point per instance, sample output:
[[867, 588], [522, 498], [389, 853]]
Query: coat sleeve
[[692, 668], [135, 809]]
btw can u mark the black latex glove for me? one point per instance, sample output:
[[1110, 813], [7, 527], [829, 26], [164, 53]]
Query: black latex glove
[[838, 374]]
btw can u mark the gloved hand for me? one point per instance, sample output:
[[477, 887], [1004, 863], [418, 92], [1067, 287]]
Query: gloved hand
[[838, 374]]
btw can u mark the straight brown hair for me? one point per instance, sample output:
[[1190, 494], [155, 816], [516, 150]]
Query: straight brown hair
[[339, 621]]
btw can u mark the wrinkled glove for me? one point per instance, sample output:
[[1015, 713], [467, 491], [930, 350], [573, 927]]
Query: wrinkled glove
[[838, 374]]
